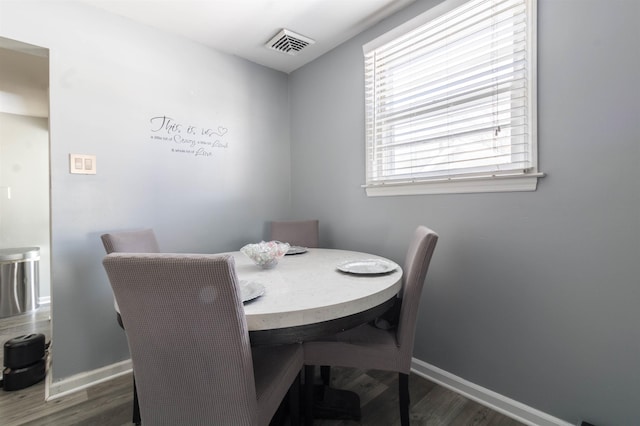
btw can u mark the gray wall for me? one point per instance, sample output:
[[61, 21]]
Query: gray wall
[[108, 79], [24, 188], [532, 295]]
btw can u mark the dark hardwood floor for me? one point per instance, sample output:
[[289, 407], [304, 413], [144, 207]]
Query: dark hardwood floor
[[109, 403], [431, 404]]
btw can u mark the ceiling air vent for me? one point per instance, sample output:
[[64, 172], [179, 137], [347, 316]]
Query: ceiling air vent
[[289, 42]]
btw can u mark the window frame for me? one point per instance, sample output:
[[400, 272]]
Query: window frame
[[503, 182]]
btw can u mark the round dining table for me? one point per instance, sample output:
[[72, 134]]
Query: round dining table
[[315, 293]]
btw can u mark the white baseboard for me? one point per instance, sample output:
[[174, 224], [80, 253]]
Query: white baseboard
[[44, 300], [55, 390], [500, 403]]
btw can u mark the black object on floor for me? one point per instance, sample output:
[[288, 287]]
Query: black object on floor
[[24, 361], [24, 350], [20, 378]]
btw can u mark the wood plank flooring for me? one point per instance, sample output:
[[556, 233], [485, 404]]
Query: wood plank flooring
[[110, 403]]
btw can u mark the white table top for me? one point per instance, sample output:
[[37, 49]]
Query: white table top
[[308, 288], [307, 292]]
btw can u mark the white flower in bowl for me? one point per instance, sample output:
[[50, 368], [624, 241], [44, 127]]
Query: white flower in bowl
[[265, 254]]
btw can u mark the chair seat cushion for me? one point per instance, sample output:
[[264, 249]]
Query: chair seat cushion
[[274, 368], [363, 345]]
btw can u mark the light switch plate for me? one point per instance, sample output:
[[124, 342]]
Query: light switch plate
[[5, 192], [82, 164]]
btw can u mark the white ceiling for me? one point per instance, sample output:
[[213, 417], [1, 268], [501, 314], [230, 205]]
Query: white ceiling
[[242, 27]]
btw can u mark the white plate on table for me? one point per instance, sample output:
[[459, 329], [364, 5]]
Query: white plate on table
[[250, 290], [367, 267], [296, 250]]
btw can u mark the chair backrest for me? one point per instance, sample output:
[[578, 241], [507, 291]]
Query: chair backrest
[[302, 233], [188, 337], [415, 271], [143, 241]]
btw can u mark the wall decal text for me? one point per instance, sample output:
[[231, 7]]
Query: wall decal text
[[187, 139]]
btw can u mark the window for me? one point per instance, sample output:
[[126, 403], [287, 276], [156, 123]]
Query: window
[[450, 101]]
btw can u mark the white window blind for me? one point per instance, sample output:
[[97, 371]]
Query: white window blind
[[453, 97]]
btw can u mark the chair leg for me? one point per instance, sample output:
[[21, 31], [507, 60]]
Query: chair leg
[[136, 407], [294, 401], [325, 373], [403, 388], [309, 373]]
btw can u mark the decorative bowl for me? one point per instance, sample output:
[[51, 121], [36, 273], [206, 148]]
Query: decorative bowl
[[265, 254]]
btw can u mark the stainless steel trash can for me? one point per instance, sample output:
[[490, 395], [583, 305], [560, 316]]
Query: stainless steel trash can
[[19, 280]]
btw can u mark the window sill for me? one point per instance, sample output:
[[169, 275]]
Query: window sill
[[508, 183]]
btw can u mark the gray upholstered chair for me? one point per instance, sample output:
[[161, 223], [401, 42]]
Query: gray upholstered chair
[[142, 241], [303, 233], [189, 342], [369, 347]]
